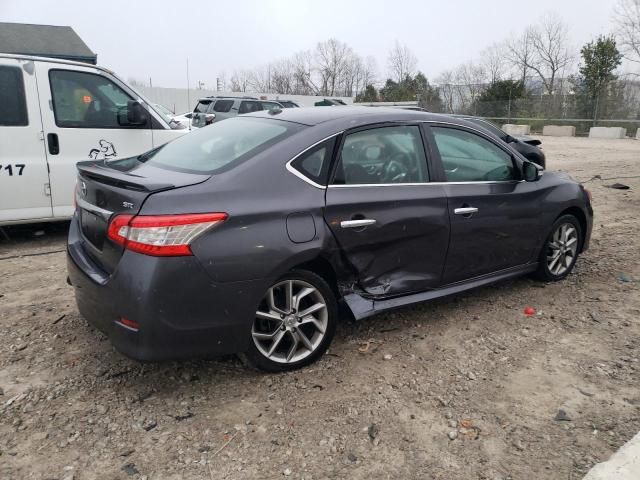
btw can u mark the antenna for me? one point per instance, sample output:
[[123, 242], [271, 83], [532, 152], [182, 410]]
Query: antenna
[[188, 99]]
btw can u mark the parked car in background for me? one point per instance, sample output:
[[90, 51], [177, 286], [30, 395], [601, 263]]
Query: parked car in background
[[527, 146], [172, 117], [213, 109], [330, 102], [288, 104], [184, 119], [54, 113], [270, 104], [243, 236]]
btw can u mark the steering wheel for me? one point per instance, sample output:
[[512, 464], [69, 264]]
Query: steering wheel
[[395, 169]]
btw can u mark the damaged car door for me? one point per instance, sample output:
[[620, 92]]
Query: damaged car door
[[390, 222]]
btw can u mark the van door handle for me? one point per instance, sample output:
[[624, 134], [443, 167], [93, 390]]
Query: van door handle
[[52, 142], [364, 222], [465, 211]]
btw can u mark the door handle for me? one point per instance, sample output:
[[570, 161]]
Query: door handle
[[52, 142], [465, 210], [365, 222]]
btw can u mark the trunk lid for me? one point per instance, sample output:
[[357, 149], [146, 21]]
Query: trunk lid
[[105, 189]]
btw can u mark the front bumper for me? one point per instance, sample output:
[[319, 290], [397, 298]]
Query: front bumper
[[181, 312]]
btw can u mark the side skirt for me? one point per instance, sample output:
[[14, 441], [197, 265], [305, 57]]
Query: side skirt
[[363, 307]]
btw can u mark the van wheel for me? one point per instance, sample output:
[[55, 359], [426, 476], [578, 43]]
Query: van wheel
[[294, 323], [560, 250]]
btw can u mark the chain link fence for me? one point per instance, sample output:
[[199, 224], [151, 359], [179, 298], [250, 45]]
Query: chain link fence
[[620, 107]]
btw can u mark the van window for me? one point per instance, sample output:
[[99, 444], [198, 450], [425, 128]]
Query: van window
[[223, 106], [86, 100], [13, 104]]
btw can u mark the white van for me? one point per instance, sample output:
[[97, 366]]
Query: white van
[[54, 113]]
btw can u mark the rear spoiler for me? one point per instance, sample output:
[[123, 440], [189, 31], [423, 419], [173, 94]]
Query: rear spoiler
[[116, 178]]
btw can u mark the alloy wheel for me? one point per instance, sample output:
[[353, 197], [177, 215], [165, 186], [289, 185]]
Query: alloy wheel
[[562, 249], [291, 321]]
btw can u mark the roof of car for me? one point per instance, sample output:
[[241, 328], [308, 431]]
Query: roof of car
[[316, 115]]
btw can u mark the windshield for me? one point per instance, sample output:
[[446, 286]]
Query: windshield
[[164, 110], [222, 145]]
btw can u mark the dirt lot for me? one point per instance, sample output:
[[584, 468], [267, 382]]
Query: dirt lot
[[472, 389]]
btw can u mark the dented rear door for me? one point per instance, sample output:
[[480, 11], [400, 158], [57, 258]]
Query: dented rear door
[[391, 223]]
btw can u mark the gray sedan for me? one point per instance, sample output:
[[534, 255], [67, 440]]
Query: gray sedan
[[243, 237]]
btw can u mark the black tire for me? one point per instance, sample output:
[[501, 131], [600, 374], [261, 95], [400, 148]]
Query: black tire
[[257, 359], [544, 272]]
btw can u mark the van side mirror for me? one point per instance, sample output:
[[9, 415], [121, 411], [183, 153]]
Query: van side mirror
[[531, 172], [134, 114]]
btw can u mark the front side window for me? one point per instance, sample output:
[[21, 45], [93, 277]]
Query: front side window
[[223, 106], [86, 100], [381, 156], [221, 145], [13, 103], [467, 157]]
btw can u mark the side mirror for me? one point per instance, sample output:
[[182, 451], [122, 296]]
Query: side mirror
[[200, 120], [531, 172], [134, 114]]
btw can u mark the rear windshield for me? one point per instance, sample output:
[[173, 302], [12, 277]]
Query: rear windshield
[[222, 145]]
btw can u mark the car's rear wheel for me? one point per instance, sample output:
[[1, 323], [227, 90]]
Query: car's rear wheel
[[294, 323], [560, 250]]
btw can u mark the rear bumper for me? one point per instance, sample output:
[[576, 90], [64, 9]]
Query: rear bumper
[[181, 312]]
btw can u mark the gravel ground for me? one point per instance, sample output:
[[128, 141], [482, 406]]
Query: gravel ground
[[466, 387]]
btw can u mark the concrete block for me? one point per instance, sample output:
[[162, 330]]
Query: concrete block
[[623, 465], [513, 129], [607, 132], [559, 130]]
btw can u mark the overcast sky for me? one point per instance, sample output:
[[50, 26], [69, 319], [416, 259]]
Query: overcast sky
[[154, 38]]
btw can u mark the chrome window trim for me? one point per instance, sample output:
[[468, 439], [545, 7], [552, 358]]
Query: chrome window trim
[[491, 182], [301, 175], [483, 134]]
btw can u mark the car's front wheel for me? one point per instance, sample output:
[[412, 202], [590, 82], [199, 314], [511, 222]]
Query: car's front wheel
[[560, 250], [294, 323]]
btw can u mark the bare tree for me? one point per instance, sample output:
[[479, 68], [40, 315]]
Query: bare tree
[[520, 52], [331, 69], [401, 62], [331, 59], [551, 50], [447, 91], [493, 62], [627, 21], [240, 80]]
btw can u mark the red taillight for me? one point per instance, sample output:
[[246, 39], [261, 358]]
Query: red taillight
[[132, 324], [161, 235]]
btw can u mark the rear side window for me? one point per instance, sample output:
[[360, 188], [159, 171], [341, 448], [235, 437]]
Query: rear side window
[[314, 164], [467, 157], [86, 100], [223, 106], [248, 107], [13, 104], [202, 107], [223, 145]]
